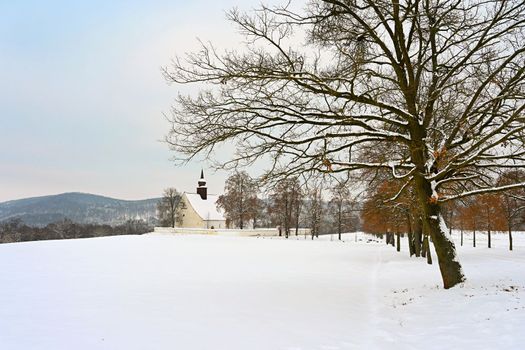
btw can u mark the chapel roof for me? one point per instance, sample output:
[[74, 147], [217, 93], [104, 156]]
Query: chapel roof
[[205, 208]]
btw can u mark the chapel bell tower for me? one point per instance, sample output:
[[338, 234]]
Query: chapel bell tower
[[202, 190]]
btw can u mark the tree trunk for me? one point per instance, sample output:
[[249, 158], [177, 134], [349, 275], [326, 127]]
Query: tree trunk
[[489, 238], [339, 220], [427, 250], [424, 247], [417, 232], [451, 271], [410, 241], [241, 203], [410, 237], [462, 236], [297, 212], [474, 238], [510, 238], [449, 266], [398, 242]]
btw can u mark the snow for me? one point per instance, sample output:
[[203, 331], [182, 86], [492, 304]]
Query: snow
[[211, 292], [206, 208]]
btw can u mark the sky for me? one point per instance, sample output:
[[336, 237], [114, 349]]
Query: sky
[[82, 96]]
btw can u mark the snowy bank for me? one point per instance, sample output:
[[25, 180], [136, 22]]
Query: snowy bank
[[259, 232]]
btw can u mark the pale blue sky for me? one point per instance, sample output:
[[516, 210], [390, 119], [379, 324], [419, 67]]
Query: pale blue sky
[[82, 96]]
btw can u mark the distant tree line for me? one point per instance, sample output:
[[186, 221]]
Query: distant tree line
[[16, 230], [288, 204]]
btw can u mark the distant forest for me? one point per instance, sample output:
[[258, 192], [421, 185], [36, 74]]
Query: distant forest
[[17, 231]]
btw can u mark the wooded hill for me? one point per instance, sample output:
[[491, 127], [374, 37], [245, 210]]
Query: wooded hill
[[78, 207]]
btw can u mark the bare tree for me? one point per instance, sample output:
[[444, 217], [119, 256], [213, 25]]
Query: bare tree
[[239, 201], [314, 214], [512, 201], [258, 212], [297, 203], [168, 207], [461, 220], [440, 84], [342, 206], [285, 202], [492, 215], [471, 213], [394, 216]]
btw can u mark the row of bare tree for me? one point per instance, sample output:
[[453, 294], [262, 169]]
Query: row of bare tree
[[386, 213], [289, 205]]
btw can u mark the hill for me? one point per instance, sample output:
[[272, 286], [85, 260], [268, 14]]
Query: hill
[[79, 207]]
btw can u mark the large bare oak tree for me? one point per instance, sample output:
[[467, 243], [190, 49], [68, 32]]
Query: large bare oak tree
[[439, 84]]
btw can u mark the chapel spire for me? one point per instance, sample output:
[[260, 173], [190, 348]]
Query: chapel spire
[[202, 190]]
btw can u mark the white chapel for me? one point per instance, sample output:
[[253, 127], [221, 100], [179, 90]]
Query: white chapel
[[199, 210]]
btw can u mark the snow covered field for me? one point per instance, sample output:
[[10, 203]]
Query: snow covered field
[[207, 292]]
